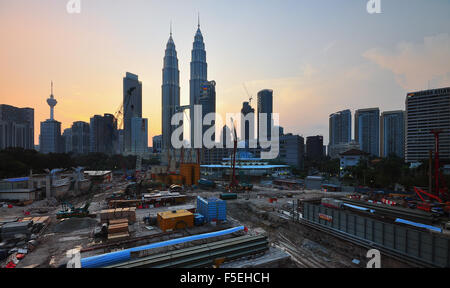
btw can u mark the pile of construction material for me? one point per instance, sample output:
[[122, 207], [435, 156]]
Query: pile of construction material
[[119, 213], [16, 230], [18, 237], [38, 222], [124, 203], [118, 229]]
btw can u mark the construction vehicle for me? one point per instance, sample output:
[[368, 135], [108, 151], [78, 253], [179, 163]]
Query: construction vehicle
[[243, 182], [101, 232], [175, 188], [438, 202], [206, 184], [234, 184], [69, 211]]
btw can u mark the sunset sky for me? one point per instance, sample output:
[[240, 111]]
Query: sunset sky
[[318, 56]]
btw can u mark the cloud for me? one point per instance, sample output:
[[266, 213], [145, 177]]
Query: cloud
[[416, 64]]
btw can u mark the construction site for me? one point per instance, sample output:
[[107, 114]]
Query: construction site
[[169, 216]]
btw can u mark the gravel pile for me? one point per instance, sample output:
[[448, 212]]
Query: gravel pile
[[73, 224]]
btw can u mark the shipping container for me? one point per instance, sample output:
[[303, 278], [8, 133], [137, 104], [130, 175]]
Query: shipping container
[[172, 220], [332, 203], [213, 209], [199, 219], [228, 196]]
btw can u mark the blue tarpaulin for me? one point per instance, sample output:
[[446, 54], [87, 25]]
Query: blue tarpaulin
[[398, 220], [125, 255], [17, 179]]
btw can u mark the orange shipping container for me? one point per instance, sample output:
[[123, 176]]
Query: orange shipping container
[[172, 220]]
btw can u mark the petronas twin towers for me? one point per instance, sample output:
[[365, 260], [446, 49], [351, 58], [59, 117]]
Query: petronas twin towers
[[200, 93]]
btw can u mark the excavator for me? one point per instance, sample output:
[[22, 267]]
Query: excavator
[[69, 211]]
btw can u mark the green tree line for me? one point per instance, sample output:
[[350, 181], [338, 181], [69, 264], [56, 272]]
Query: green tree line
[[17, 162]]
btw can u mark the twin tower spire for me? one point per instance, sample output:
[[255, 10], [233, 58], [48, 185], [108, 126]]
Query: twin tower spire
[[171, 82]]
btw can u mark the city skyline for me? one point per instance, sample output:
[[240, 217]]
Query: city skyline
[[356, 68]]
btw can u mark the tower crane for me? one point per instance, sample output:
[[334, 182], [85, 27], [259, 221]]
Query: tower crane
[[119, 118], [234, 184], [250, 97], [120, 112]]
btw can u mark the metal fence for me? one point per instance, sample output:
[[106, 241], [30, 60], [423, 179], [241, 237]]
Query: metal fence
[[428, 247]]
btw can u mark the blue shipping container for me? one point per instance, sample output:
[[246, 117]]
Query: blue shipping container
[[199, 219], [212, 209]]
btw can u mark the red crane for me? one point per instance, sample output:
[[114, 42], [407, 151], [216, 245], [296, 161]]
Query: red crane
[[234, 184], [440, 193]]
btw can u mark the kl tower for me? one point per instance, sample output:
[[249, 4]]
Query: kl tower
[[52, 103]]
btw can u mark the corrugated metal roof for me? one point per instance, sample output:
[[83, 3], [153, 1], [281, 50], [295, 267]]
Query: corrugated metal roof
[[97, 173], [178, 213]]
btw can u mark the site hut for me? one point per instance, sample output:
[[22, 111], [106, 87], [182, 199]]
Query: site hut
[[18, 189]]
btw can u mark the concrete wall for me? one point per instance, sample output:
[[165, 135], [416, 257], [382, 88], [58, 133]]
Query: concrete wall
[[432, 248]]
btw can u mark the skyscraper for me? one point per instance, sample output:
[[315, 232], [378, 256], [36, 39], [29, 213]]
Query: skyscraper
[[103, 136], [208, 101], [292, 150], [170, 91], [425, 111], [247, 131], [16, 127], [340, 132], [314, 147], [67, 140], [132, 105], [80, 137], [340, 127], [139, 137], [50, 140], [199, 75], [367, 130], [265, 105], [392, 133]]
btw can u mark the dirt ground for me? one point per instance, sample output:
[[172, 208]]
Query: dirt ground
[[306, 247]]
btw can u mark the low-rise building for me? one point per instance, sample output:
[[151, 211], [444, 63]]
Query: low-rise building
[[18, 189], [350, 158], [334, 151]]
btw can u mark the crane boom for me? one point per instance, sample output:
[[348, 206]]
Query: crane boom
[[250, 97]]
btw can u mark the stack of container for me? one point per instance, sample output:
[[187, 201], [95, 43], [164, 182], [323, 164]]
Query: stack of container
[[199, 219], [16, 230], [212, 209], [190, 173]]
